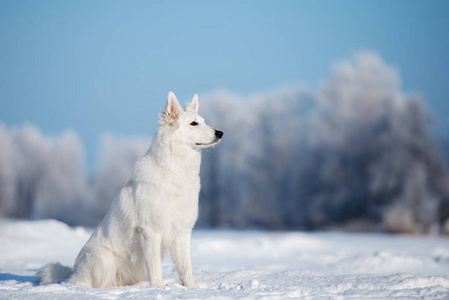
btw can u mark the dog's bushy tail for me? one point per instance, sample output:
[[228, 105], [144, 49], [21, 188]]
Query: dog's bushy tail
[[53, 273]]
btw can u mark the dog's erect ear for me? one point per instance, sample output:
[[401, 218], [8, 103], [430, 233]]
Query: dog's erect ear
[[193, 105], [172, 109]]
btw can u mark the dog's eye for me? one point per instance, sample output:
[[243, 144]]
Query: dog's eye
[[194, 123]]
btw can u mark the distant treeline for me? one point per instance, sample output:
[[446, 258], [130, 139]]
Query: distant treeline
[[356, 153]]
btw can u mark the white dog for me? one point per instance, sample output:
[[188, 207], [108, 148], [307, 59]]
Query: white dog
[[152, 214]]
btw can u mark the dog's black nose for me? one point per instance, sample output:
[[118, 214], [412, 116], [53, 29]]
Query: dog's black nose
[[219, 134]]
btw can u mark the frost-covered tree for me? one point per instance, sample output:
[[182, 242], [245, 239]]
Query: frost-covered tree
[[223, 172], [376, 148], [360, 152], [243, 177], [42, 177], [62, 192]]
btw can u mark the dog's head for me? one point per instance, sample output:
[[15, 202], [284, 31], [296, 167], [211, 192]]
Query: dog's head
[[187, 126]]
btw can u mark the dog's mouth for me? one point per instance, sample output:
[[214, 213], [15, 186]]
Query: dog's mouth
[[208, 144]]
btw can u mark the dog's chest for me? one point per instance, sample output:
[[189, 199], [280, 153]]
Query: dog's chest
[[171, 203], [168, 193], [182, 197]]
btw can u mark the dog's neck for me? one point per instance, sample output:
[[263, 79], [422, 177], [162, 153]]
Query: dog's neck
[[167, 154]]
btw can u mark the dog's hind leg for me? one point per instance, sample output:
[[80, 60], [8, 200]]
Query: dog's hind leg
[[151, 243], [96, 267], [181, 254]]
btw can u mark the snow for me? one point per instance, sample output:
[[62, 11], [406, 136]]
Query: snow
[[244, 264]]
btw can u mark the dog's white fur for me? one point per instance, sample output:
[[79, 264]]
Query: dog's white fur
[[152, 214]]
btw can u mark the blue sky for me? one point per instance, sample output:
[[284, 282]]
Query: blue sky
[[106, 66]]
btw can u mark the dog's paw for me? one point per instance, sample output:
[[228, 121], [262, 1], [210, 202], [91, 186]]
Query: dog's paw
[[190, 284], [157, 283]]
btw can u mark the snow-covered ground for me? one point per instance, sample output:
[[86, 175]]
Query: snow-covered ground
[[244, 264]]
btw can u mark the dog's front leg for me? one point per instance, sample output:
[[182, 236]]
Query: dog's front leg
[[151, 248], [181, 253]]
